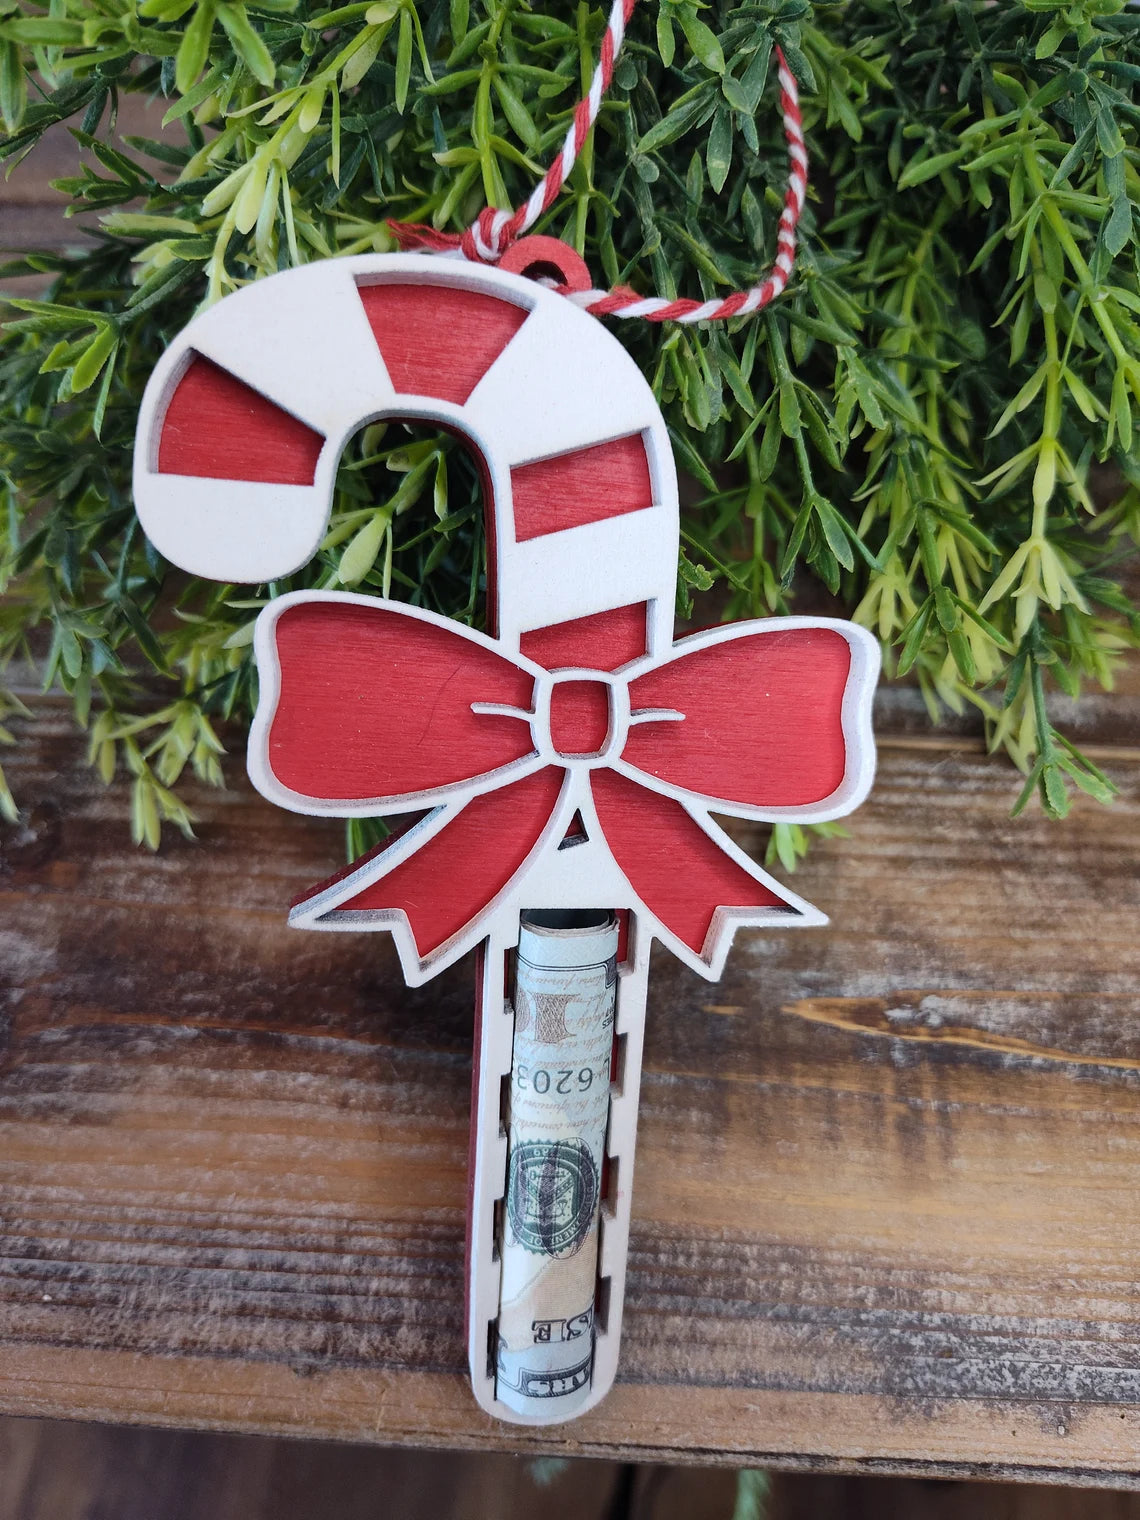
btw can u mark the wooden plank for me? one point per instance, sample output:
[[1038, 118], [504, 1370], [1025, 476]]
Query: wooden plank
[[57, 155], [884, 1210], [884, 1207], [32, 212]]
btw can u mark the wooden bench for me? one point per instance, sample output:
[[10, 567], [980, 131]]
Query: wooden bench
[[885, 1212], [885, 1205]]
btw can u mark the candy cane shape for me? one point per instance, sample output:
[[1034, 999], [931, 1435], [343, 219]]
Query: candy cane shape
[[571, 757]]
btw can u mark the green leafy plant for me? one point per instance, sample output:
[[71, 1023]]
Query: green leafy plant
[[936, 422]]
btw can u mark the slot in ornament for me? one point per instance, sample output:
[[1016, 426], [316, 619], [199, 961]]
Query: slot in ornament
[[573, 756]]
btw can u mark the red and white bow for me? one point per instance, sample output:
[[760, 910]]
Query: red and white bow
[[371, 707]]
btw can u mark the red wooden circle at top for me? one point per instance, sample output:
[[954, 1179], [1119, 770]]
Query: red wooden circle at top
[[534, 257]]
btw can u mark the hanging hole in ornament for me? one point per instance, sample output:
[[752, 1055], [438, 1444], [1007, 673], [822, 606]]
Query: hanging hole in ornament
[[549, 261], [543, 272]]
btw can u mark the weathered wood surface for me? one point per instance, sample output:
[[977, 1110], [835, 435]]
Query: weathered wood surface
[[885, 1210], [885, 1206]]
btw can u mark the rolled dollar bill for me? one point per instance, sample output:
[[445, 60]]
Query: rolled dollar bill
[[564, 998]]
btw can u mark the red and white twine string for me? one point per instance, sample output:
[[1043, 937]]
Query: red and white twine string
[[493, 232]]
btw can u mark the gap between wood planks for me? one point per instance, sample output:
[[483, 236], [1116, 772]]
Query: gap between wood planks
[[936, 742]]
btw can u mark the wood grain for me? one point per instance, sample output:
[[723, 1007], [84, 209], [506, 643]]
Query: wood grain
[[884, 1215], [218, 428], [885, 1212], [32, 212], [436, 341], [588, 485], [602, 641]]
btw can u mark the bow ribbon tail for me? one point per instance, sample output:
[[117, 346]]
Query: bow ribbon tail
[[691, 877], [441, 874]]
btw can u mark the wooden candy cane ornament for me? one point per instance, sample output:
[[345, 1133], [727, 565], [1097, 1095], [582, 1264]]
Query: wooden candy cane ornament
[[570, 757], [560, 771]]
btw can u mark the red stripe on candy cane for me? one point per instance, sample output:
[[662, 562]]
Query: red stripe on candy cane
[[493, 232], [600, 641], [217, 427], [584, 486], [435, 341]]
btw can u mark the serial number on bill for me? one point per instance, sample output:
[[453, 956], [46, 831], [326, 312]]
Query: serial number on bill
[[558, 1079]]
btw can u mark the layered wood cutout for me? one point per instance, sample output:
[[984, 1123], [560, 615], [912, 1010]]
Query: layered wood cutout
[[370, 706], [784, 746], [259, 395], [435, 341], [576, 758], [588, 485], [682, 868], [603, 641], [579, 717], [218, 427], [449, 879], [369, 710]]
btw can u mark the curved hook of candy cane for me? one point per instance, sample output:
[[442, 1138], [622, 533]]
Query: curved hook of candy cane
[[493, 232]]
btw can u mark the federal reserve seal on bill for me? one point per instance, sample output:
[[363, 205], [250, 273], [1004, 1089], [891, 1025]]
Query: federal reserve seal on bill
[[551, 1195]]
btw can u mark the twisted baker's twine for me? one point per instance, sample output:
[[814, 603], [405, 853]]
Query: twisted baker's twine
[[493, 232]]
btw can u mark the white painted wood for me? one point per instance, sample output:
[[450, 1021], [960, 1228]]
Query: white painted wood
[[563, 382], [487, 1183], [859, 738], [230, 524], [593, 568], [584, 875], [269, 676], [489, 1162], [530, 407], [301, 338], [587, 874]]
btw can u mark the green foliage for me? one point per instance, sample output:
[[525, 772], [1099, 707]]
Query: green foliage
[[928, 422]]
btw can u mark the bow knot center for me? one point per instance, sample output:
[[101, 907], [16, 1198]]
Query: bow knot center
[[580, 717]]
